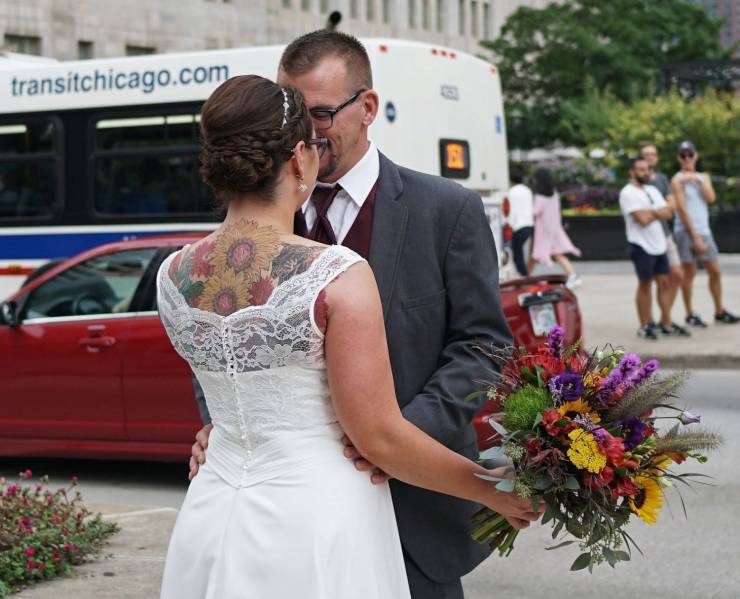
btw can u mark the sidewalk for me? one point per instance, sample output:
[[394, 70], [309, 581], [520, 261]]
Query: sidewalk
[[607, 302], [131, 565]]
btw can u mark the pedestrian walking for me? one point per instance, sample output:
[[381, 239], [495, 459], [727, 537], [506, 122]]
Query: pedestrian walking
[[694, 193], [666, 326], [550, 239], [643, 208], [521, 218]]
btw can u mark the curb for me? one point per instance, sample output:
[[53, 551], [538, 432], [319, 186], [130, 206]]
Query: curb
[[701, 361]]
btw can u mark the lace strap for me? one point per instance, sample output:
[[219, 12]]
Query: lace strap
[[336, 260]]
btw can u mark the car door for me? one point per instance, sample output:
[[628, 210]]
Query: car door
[[62, 362], [157, 388]]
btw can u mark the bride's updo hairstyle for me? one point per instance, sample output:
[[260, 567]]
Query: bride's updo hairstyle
[[248, 134]]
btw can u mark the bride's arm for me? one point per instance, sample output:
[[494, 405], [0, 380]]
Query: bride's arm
[[363, 395]]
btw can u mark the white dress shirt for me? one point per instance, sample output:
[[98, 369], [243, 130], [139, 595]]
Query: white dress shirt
[[356, 185]]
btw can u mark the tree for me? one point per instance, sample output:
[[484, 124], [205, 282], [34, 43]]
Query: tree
[[562, 52]]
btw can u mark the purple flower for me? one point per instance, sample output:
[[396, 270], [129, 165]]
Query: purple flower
[[687, 417], [633, 432], [638, 376], [568, 385], [555, 341]]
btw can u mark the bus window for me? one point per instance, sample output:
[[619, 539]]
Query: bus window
[[29, 168], [148, 165]]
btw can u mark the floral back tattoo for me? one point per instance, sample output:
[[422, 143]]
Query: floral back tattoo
[[239, 268]]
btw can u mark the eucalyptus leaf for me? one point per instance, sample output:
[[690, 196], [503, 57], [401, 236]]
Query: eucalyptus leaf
[[557, 529], [622, 556], [542, 483], [505, 486], [493, 479], [491, 453], [498, 427], [582, 561], [537, 420], [559, 545], [572, 484], [610, 557], [574, 528]]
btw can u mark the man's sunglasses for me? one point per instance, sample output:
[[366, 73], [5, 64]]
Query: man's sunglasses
[[684, 155], [324, 117], [321, 144]]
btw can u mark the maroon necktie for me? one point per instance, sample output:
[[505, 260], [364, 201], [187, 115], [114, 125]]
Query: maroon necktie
[[322, 230]]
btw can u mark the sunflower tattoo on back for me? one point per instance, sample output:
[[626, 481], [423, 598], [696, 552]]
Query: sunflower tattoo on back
[[239, 268]]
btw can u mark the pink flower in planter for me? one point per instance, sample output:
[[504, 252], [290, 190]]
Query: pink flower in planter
[[26, 521], [26, 474], [74, 479], [41, 566], [11, 490], [30, 564], [38, 489], [30, 552], [69, 546]]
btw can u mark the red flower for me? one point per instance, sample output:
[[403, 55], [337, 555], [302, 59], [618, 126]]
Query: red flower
[[41, 566], [613, 447], [623, 487], [30, 564], [30, 552], [26, 474], [550, 419], [595, 481], [199, 264], [534, 446], [260, 291], [69, 546]]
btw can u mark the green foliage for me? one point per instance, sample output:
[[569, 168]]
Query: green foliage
[[522, 407], [568, 50], [43, 534], [711, 121]]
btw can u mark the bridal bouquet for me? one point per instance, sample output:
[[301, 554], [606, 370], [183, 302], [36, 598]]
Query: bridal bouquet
[[581, 431]]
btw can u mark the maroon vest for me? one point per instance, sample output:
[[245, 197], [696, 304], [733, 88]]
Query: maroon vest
[[359, 236]]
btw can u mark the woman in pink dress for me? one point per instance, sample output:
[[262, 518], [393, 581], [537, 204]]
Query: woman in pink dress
[[550, 239]]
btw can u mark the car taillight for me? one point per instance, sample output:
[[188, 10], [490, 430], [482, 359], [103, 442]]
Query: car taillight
[[508, 233]]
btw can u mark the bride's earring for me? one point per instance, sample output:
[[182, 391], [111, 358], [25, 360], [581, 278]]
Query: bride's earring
[[302, 187]]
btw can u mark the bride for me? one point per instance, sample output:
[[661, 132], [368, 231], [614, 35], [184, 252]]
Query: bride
[[286, 337]]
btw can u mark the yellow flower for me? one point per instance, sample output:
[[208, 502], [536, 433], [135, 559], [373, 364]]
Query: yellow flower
[[245, 249], [648, 499], [584, 451], [225, 293], [579, 407]]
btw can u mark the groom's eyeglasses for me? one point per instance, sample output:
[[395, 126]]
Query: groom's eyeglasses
[[321, 144], [685, 155], [324, 117]]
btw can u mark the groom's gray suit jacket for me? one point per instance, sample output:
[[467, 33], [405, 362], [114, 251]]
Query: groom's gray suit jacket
[[435, 262]]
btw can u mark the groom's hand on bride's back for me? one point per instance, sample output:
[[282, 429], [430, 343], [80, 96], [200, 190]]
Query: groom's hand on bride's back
[[350, 452], [198, 450]]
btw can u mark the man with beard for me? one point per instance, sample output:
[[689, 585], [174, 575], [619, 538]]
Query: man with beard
[[644, 208]]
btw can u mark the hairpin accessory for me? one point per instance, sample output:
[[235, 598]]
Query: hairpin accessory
[[285, 107]]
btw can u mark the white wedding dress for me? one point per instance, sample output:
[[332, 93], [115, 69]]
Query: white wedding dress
[[277, 511]]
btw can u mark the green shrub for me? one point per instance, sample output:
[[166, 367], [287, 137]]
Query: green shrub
[[43, 534]]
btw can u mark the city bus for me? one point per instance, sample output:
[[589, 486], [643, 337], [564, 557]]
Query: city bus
[[106, 150]]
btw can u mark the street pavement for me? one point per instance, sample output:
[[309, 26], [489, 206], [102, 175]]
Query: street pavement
[[698, 557]]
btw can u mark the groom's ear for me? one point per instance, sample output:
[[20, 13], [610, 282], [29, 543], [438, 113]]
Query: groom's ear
[[370, 102]]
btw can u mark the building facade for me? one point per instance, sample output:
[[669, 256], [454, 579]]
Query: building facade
[[83, 29], [729, 12]]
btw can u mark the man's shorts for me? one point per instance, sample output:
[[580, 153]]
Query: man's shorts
[[686, 250], [647, 265], [674, 259]]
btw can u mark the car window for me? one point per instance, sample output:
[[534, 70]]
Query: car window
[[102, 285]]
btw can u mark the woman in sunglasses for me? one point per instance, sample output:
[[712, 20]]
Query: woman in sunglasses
[[694, 193]]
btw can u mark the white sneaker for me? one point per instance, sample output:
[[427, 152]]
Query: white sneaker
[[573, 282]]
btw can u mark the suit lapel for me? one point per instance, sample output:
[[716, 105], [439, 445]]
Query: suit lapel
[[389, 230]]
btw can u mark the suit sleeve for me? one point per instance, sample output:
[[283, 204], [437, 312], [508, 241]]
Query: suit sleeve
[[474, 318], [200, 399]]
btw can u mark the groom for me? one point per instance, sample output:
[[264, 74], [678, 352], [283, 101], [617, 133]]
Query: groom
[[431, 249]]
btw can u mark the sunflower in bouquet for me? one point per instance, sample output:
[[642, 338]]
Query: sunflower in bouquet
[[581, 432]]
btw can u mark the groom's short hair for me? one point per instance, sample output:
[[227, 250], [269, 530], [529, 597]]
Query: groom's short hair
[[304, 53]]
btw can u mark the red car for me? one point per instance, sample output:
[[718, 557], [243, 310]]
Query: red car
[[88, 370]]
